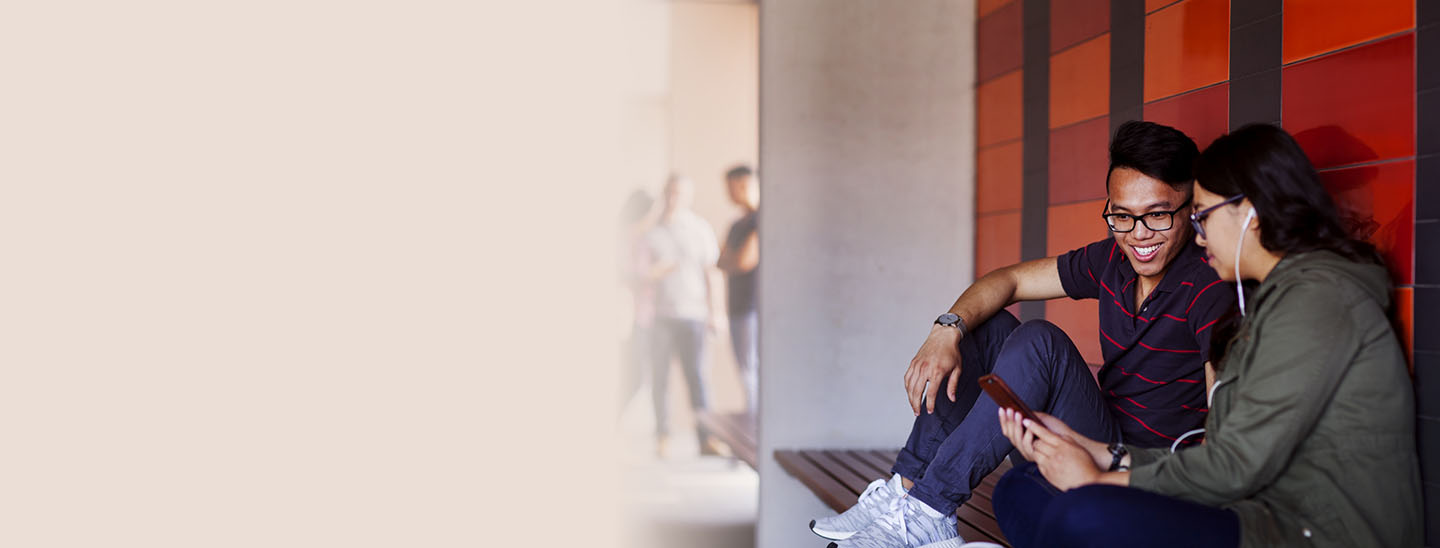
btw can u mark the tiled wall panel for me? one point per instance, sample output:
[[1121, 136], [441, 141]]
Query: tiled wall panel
[[1203, 115], [1080, 82], [1075, 21], [997, 241], [999, 109], [998, 180], [1079, 158], [1187, 46], [999, 38], [1356, 105], [1377, 201], [1315, 27]]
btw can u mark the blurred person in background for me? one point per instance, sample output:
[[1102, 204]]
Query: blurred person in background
[[739, 259], [682, 249], [637, 216]]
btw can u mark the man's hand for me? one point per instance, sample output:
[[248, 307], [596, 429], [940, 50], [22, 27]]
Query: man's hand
[[937, 359]]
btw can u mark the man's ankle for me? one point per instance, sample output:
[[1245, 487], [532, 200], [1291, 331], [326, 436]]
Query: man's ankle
[[906, 483]]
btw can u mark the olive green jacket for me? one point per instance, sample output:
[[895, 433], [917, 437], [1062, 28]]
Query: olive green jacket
[[1310, 437]]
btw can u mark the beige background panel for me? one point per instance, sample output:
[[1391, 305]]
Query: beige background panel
[[289, 273]]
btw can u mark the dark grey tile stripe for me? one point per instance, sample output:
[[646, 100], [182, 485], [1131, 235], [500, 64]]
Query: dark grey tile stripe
[[1127, 61], [1036, 147], [1427, 263], [1255, 51]]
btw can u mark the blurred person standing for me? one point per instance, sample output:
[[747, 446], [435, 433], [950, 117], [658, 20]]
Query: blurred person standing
[[682, 249], [637, 216], [739, 259]]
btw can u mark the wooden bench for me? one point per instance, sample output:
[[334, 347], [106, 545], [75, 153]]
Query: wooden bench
[[839, 476], [736, 430]]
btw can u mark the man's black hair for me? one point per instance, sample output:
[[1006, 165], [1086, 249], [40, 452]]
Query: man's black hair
[[1160, 152], [738, 172]]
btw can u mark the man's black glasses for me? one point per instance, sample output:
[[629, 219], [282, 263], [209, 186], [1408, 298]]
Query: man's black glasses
[[1158, 221], [1198, 218]]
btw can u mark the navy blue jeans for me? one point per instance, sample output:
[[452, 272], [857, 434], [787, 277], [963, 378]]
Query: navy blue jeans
[[952, 449], [1034, 513], [744, 337]]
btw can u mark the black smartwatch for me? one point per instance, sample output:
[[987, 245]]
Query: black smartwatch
[[1117, 454], [952, 320]]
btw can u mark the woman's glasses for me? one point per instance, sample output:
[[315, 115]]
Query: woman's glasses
[[1198, 218]]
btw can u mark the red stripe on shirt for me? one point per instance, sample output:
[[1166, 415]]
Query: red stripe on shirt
[[1112, 341], [1187, 283], [1142, 423], [1173, 317], [1197, 296], [1142, 377], [1200, 409], [1142, 343], [1137, 404], [1206, 326], [1107, 288]]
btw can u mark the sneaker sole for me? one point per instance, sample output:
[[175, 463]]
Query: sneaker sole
[[830, 535]]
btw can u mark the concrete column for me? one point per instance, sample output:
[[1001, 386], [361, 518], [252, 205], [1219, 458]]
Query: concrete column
[[867, 230]]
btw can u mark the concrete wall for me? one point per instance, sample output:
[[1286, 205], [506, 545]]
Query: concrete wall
[[867, 141]]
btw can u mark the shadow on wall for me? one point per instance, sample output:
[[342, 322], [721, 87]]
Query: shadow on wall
[[1376, 202]]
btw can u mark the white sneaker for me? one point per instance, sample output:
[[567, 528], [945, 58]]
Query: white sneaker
[[957, 542], [908, 523], [876, 498]]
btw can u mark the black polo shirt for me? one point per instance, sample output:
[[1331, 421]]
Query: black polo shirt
[[1154, 370]]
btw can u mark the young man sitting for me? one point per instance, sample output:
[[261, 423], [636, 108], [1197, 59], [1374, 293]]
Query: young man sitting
[[1158, 300]]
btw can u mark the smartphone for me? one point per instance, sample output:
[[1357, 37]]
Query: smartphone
[[1005, 397]]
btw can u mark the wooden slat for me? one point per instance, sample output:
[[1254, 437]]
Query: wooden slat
[[875, 460], [867, 465], [971, 534], [731, 429], [831, 492], [981, 503], [827, 461], [981, 521], [745, 425], [860, 466]]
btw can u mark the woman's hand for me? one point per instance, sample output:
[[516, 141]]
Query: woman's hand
[[1066, 458], [1012, 428], [1065, 463], [1017, 434]]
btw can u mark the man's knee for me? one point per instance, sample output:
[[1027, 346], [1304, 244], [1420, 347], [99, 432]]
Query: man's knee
[[1039, 340], [1000, 325]]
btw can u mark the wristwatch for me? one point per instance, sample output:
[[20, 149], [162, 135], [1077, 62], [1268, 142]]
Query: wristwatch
[[952, 320], [1117, 454]]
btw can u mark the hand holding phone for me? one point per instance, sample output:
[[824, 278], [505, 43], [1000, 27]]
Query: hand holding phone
[[1006, 398]]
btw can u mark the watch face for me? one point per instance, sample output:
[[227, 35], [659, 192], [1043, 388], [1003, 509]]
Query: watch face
[[947, 319]]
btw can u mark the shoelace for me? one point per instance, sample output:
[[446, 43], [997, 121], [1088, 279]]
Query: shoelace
[[895, 515], [874, 485]]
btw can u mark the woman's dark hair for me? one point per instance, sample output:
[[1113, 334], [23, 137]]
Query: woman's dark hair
[[1160, 152], [1294, 211]]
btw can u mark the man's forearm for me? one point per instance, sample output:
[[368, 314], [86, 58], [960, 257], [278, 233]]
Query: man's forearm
[[984, 298], [1035, 280]]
